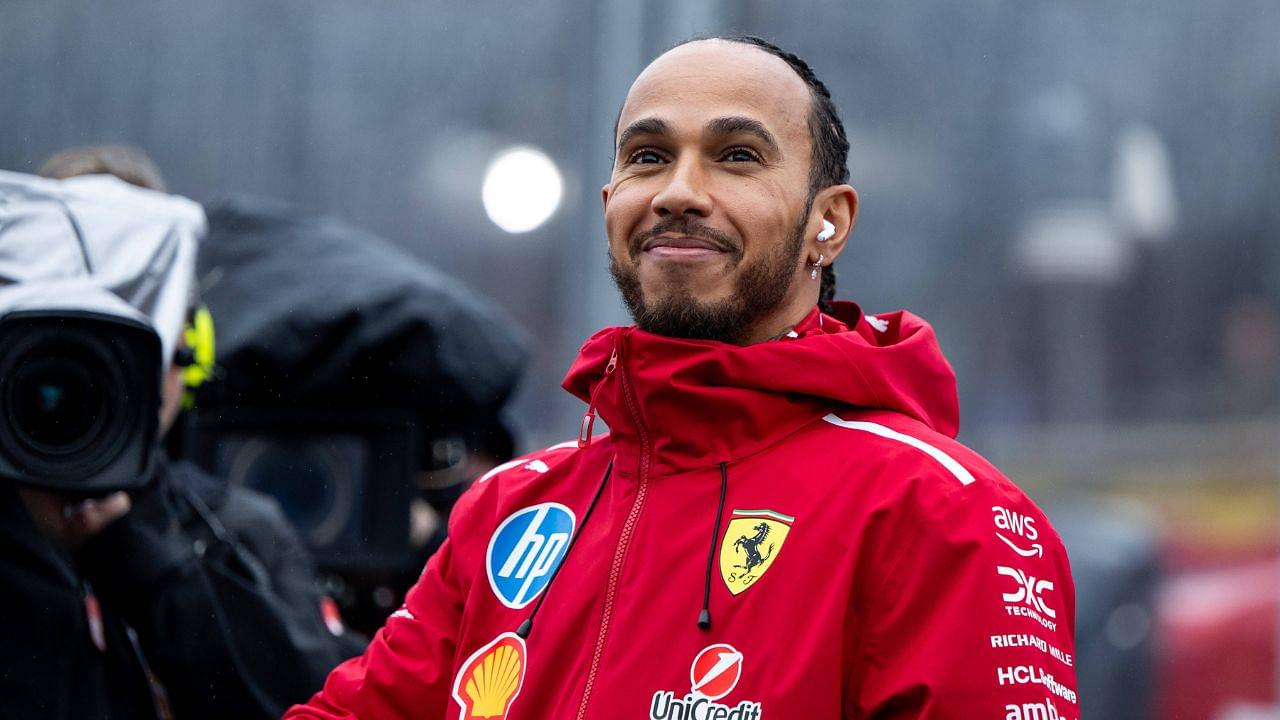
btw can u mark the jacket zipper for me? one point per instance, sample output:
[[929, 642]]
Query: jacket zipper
[[624, 540], [589, 417]]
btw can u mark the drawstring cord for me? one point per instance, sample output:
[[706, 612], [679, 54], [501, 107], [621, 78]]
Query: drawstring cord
[[526, 627], [704, 617], [584, 440]]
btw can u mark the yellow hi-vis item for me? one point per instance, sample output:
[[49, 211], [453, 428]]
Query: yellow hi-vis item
[[198, 336]]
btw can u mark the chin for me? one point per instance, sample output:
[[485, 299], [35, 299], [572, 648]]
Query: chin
[[684, 293], [702, 282]]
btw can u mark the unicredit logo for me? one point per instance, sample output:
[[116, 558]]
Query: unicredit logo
[[713, 675], [715, 671]]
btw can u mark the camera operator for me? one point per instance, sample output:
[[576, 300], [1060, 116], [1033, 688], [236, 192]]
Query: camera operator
[[179, 596]]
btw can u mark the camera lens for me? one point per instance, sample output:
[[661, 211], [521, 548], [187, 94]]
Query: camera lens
[[59, 406], [67, 404], [78, 397], [307, 479]]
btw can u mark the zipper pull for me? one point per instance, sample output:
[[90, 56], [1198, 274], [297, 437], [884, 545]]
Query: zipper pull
[[589, 417]]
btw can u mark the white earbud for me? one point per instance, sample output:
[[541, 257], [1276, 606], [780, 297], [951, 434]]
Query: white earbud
[[828, 231]]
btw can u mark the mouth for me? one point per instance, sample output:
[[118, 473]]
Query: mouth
[[670, 246]]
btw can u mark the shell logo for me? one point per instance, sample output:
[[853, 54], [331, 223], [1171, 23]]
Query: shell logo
[[715, 671], [491, 678]]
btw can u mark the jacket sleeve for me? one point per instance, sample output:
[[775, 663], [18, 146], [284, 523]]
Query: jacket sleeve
[[406, 672], [972, 613], [225, 631]]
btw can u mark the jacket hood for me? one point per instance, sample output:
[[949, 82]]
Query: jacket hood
[[691, 403]]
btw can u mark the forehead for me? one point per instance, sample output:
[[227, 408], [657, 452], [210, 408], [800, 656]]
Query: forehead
[[695, 83]]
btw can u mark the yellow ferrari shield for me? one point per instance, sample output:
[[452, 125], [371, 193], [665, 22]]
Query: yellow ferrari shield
[[750, 545]]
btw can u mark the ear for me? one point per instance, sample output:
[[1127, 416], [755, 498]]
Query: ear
[[604, 196], [837, 205]]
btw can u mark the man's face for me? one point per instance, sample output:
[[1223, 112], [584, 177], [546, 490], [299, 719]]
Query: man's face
[[708, 203]]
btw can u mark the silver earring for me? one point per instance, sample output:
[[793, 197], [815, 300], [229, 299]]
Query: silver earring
[[816, 265]]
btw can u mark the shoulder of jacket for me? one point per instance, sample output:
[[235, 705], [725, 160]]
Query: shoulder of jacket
[[949, 489], [516, 473], [506, 485], [531, 464], [944, 470], [911, 444]]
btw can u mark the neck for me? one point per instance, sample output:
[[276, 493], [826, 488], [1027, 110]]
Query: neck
[[777, 323]]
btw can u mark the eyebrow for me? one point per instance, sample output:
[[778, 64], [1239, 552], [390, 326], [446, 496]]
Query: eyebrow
[[734, 124], [721, 126], [643, 126]]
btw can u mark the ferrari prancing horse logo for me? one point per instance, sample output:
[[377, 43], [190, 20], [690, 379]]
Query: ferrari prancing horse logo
[[751, 543]]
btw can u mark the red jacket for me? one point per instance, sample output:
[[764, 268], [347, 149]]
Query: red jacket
[[855, 560]]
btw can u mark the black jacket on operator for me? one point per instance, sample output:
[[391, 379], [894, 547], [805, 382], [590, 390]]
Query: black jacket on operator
[[207, 600]]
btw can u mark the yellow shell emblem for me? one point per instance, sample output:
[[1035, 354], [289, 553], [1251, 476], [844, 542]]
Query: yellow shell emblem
[[750, 545], [490, 679]]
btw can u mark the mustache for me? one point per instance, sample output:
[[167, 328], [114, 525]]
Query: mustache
[[681, 225]]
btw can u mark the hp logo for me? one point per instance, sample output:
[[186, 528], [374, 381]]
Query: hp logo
[[525, 550]]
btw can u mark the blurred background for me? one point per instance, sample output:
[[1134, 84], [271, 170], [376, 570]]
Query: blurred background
[[1081, 197]]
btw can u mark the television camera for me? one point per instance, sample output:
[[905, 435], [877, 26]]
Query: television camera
[[94, 282]]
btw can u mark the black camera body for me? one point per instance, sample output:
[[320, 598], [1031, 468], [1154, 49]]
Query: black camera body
[[79, 399], [343, 479]]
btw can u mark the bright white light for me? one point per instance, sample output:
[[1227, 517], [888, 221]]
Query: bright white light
[[1143, 194], [522, 189]]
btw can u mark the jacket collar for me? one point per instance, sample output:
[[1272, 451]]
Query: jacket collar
[[684, 404]]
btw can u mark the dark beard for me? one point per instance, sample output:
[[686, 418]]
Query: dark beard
[[758, 289]]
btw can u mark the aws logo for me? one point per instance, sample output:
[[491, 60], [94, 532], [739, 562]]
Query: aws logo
[[1016, 523], [490, 679], [525, 551]]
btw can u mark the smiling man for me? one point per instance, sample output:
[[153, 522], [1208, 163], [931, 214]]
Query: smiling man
[[716, 186], [780, 523]]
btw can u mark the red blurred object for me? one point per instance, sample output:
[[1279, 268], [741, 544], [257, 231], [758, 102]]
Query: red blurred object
[[1217, 636], [332, 616]]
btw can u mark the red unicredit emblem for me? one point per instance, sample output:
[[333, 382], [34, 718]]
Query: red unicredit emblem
[[715, 671]]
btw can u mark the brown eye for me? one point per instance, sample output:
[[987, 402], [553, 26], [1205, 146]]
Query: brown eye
[[738, 155], [644, 157]]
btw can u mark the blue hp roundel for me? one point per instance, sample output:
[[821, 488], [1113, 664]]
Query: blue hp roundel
[[525, 551]]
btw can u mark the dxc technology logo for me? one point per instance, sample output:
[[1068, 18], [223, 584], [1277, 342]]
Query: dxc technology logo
[[1029, 590], [525, 551]]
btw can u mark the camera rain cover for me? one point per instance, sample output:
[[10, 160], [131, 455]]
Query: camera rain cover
[[316, 314], [90, 268], [137, 244]]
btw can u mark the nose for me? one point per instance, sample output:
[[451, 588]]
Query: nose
[[684, 193]]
